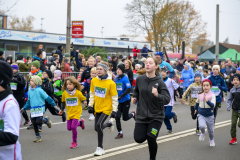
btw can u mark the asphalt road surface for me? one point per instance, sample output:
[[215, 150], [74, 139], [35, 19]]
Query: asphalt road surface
[[183, 144]]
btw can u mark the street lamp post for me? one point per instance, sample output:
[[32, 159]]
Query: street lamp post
[[102, 32], [41, 23]]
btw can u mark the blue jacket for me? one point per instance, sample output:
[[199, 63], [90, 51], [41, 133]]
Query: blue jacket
[[223, 70], [169, 68], [87, 85], [122, 85], [187, 76], [219, 82], [145, 50]]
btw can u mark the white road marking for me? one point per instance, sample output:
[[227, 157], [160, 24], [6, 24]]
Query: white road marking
[[125, 148]]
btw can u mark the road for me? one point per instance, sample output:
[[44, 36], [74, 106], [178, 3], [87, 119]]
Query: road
[[182, 144]]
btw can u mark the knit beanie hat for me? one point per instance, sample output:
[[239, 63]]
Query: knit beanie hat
[[14, 66], [49, 73], [216, 66], [105, 67], [138, 65], [236, 76], [37, 80], [6, 74], [197, 74], [122, 67], [19, 57], [67, 55], [207, 81], [165, 69], [159, 53], [58, 73], [36, 64]]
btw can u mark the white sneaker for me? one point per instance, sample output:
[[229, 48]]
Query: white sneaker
[[212, 143], [99, 152], [91, 117], [201, 137], [112, 122]]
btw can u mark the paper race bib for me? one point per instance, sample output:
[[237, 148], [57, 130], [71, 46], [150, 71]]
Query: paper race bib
[[1, 125], [36, 111], [100, 92], [72, 101], [135, 76], [13, 86], [119, 86], [56, 90], [216, 91], [195, 91]]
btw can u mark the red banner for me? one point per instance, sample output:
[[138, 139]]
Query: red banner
[[77, 29]]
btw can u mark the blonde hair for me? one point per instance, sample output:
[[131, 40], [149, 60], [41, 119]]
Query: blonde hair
[[63, 63], [130, 64], [73, 80], [92, 58], [156, 63], [94, 69], [81, 55]]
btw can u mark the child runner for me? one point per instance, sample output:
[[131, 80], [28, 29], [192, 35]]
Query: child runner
[[234, 101], [103, 94], [36, 104], [86, 87], [171, 85], [218, 85], [57, 86], [10, 117], [123, 89], [17, 85], [71, 99], [152, 94], [80, 73], [193, 90], [204, 110], [205, 74]]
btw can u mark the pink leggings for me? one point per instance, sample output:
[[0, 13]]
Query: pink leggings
[[72, 125]]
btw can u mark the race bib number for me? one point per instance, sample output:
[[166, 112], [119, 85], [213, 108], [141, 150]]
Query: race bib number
[[72, 101], [195, 91], [119, 86], [56, 90], [100, 92], [135, 76], [36, 111], [216, 91], [13, 86], [1, 125]]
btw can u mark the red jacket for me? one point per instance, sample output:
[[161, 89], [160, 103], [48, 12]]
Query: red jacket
[[135, 51], [66, 69]]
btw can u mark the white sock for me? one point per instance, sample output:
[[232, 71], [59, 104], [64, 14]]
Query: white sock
[[90, 114], [120, 132]]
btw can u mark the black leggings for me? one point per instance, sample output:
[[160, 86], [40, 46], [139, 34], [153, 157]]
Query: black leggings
[[149, 132], [36, 121], [51, 109], [21, 101], [100, 118], [123, 109], [194, 116]]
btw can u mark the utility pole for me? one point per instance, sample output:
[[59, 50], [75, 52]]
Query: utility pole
[[68, 38], [217, 35], [102, 32], [41, 23]]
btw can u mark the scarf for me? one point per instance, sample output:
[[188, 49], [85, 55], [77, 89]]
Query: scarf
[[71, 93], [103, 77], [54, 79], [5, 93], [35, 72], [120, 76], [46, 79]]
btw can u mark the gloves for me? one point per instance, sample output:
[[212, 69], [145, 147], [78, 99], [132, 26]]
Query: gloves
[[56, 108], [220, 87], [90, 109], [22, 110], [113, 114]]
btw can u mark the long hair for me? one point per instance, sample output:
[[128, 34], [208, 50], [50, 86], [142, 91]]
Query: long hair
[[130, 64], [63, 63], [73, 80], [156, 63]]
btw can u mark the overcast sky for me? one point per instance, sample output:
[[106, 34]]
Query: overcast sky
[[110, 14]]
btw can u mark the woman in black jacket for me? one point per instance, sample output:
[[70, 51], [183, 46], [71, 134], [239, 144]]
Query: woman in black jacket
[[129, 70], [151, 94]]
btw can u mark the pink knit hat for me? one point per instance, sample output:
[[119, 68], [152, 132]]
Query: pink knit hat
[[58, 72]]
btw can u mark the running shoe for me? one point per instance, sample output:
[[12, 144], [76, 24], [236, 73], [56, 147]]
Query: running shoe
[[39, 128], [99, 151], [48, 122], [198, 133], [233, 141], [26, 122], [91, 117], [212, 143], [30, 126], [169, 132], [175, 118], [82, 126], [63, 116], [201, 137], [119, 136], [74, 145], [134, 116], [111, 121], [38, 139]]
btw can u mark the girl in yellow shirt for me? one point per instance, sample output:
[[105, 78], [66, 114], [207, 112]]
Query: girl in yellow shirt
[[104, 96], [71, 99]]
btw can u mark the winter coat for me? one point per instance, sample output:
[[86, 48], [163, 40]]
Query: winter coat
[[86, 74], [187, 76], [22, 67], [66, 69], [59, 52], [42, 65], [129, 73], [145, 50], [135, 51], [192, 101], [19, 81]]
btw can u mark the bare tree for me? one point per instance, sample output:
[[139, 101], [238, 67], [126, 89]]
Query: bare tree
[[141, 15], [2, 12], [25, 24]]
